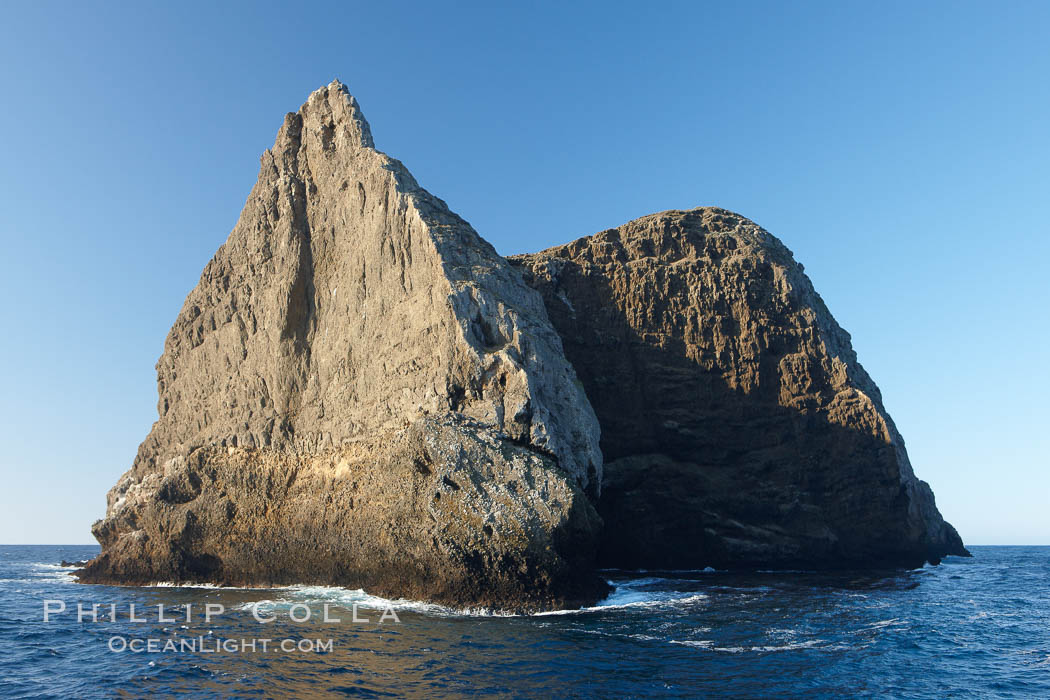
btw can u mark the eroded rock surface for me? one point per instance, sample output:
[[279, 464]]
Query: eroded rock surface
[[444, 510], [347, 302], [738, 427], [348, 299]]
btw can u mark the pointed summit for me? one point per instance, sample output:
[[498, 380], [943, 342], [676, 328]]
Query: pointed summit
[[333, 108], [357, 300]]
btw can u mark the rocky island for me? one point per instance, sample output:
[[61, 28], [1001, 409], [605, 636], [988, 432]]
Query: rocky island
[[360, 391]]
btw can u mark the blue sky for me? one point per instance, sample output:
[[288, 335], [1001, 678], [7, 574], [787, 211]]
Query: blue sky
[[901, 151]]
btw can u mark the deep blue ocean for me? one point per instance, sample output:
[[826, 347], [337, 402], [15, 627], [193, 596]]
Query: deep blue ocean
[[975, 627]]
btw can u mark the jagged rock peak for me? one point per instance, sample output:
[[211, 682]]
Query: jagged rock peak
[[348, 298], [335, 101], [348, 303]]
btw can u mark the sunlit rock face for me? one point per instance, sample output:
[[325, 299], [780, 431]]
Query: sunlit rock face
[[349, 303]]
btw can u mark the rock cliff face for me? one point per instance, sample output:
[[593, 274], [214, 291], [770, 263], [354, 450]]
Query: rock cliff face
[[348, 303], [738, 428], [361, 392], [445, 510]]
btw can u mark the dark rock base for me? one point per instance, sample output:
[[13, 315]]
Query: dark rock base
[[444, 511]]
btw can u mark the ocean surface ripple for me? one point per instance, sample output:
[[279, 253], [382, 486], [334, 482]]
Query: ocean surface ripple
[[969, 628]]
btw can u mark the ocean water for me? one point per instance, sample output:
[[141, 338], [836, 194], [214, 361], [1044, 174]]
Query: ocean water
[[975, 627]]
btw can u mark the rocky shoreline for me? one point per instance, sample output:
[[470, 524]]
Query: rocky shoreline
[[361, 392]]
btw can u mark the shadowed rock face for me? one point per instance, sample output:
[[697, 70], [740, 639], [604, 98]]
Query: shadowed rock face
[[738, 428], [348, 303]]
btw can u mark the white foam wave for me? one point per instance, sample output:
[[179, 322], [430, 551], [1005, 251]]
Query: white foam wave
[[633, 593], [347, 597], [52, 573], [637, 593], [624, 595], [705, 570], [192, 584], [882, 624], [708, 644]]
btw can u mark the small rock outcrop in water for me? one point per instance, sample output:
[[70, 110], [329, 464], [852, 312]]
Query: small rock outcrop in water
[[360, 391], [738, 428]]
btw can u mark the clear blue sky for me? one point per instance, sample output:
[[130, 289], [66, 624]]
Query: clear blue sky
[[901, 150]]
